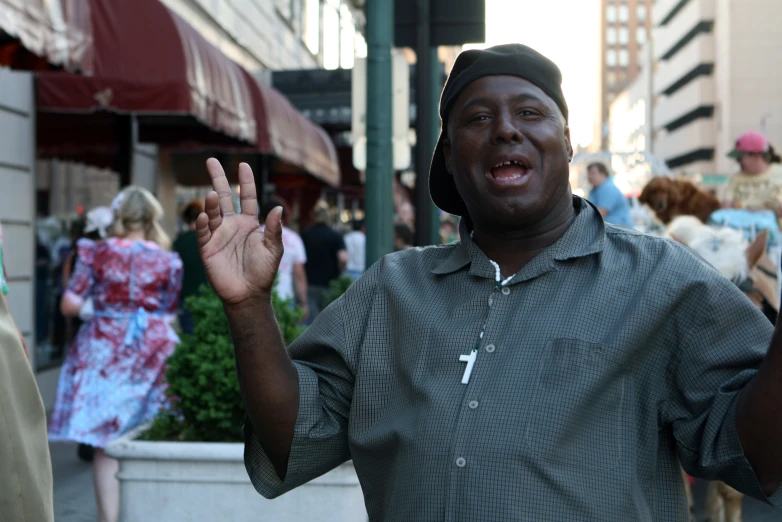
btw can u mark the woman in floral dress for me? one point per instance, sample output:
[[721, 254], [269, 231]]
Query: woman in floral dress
[[112, 379]]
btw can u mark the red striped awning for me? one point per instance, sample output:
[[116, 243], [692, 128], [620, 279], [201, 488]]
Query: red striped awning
[[146, 59]]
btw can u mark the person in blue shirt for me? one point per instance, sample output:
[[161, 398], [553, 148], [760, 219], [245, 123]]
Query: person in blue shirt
[[608, 199]]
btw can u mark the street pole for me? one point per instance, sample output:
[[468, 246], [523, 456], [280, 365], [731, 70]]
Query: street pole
[[380, 170], [426, 221]]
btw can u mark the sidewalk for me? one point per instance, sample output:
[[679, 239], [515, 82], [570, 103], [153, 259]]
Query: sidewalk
[[74, 497]]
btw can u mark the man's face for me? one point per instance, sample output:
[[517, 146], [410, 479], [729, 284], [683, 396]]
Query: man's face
[[595, 177], [508, 150]]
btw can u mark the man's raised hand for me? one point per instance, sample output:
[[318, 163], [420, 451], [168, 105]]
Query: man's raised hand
[[241, 260]]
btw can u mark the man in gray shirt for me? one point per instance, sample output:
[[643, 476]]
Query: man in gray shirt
[[549, 366]]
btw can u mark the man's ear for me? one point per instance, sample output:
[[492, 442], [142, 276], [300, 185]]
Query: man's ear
[[568, 144], [447, 154]]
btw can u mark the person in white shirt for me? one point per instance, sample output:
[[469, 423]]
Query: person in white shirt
[[291, 278], [355, 243]]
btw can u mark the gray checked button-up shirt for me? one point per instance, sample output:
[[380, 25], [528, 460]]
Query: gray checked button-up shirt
[[607, 360]]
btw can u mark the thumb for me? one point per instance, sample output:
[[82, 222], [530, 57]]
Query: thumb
[[273, 230]]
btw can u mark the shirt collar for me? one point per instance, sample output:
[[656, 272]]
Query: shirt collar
[[585, 236]]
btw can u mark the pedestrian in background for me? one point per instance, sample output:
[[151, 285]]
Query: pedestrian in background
[[759, 184], [186, 245], [25, 465], [608, 199], [97, 226], [327, 258], [356, 246], [64, 328], [112, 378], [291, 277]]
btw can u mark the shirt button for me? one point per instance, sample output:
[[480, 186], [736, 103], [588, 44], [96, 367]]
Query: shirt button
[[473, 405], [505, 290], [490, 348], [461, 462]]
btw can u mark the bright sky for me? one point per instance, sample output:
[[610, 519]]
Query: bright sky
[[566, 31]]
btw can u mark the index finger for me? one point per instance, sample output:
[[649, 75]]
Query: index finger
[[221, 186]]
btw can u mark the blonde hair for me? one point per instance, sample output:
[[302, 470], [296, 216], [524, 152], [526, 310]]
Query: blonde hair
[[135, 208]]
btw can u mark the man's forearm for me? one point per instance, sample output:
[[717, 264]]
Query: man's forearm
[[759, 418], [267, 377]]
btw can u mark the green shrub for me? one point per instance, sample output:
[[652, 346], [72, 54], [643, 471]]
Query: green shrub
[[205, 403]]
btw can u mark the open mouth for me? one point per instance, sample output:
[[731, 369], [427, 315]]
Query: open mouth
[[509, 171]]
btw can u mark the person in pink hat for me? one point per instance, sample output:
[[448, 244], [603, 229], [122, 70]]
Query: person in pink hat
[[759, 184]]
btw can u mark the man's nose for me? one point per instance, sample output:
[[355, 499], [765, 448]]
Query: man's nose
[[505, 130]]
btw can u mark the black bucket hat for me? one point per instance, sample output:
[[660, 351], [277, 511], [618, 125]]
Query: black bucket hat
[[512, 60]]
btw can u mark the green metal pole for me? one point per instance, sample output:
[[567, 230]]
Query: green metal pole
[[379, 200], [436, 87]]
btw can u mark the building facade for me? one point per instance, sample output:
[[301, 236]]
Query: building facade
[[625, 27], [630, 116], [718, 74], [267, 35]]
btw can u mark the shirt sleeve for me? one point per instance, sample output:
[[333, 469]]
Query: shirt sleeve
[[83, 277], [300, 256], [325, 357], [725, 343], [594, 197], [616, 201]]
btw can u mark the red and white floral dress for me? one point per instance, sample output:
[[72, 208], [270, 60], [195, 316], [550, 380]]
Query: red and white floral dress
[[112, 378]]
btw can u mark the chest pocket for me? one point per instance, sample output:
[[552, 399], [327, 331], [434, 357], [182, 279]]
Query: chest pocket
[[575, 414]]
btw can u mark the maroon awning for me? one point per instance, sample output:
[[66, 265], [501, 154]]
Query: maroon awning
[[143, 59], [146, 59], [293, 138]]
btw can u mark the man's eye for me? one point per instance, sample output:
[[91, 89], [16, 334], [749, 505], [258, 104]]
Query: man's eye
[[528, 112], [480, 117]]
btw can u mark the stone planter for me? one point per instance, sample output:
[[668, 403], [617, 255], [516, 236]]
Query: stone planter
[[191, 481]]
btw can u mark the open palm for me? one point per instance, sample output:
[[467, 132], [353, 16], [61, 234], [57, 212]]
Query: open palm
[[241, 260]]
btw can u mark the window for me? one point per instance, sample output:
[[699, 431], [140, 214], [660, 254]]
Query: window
[[611, 58], [624, 13], [611, 36], [641, 13], [640, 36], [611, 14], [611, 78], [311, 30], [624, 36], [624, 58]]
